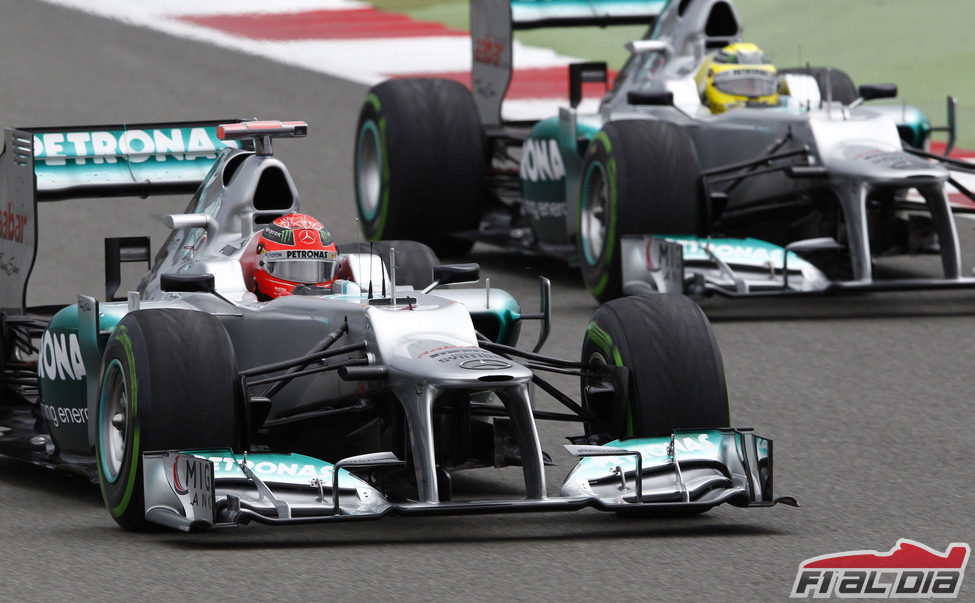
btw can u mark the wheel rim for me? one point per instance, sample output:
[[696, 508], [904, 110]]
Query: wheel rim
[[594, 213], [113, 420], [369, 170]]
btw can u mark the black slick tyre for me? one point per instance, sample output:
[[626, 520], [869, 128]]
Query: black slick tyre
[[638, 177], [167, 382], [420, 163], [837, 81], [414, 261], [676, 376]]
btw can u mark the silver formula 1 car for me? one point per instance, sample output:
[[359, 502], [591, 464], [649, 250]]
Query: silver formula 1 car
[[193, 404], [651, 191]]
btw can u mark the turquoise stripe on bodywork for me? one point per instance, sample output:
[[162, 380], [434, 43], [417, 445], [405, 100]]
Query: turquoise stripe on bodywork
[[689, 445], [64, 160], [526, 11], [273, 468], [737, 252]]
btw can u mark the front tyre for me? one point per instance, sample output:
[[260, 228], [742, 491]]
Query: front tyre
[[638, 177], [167, 383], [420, 163], [676, 376]]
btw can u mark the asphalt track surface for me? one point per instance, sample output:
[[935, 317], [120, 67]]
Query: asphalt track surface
[[868, 398]]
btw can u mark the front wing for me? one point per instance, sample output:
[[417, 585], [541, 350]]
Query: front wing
[[745, 267], [690, 471]]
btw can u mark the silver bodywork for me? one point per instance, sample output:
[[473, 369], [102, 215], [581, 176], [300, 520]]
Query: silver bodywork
[[856, 148], [428, 345], [405, 352], [810, 149]]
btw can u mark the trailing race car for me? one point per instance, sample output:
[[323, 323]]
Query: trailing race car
[[704, 169], [351, 393]]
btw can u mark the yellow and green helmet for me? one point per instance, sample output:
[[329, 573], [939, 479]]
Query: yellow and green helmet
[[737, 75]]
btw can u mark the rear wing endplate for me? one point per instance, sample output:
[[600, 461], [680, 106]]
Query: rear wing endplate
[[494, 21], [57, 163]]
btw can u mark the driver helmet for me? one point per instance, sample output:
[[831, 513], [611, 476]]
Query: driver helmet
[[737, 75], [294, 250]]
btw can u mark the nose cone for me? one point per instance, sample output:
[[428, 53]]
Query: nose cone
[[865, 145], [887, 166], [459, 365]]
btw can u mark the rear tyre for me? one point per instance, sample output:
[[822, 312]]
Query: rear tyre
[[676, 376], [414, 261], [168, 382], [419, 163], [638, 177], [840, 83]]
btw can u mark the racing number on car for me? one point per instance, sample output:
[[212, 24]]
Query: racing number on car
[[665, 262], [193, 483]]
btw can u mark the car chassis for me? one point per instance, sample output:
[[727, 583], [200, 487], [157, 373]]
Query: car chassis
[[182, 488], [796, 199]]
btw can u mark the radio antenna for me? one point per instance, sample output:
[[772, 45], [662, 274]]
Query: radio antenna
[[382, 281], [392, 275], [358, 246], [371, 262]]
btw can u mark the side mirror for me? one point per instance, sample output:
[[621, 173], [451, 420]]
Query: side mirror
[[178, 221], [643, 46], [456, 273], [875, 91], [580, 73], [187, 283], [661, 98], [117, 251], [453, 273]]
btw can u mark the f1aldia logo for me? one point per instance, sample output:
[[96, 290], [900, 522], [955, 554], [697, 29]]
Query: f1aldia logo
[[910, 570]]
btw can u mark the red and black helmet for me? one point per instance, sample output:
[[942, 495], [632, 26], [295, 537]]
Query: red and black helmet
[[294, 250]]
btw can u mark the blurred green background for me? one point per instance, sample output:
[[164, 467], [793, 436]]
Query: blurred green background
[[921, 45]]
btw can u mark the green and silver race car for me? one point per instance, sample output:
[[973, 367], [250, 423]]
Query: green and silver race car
[[663, 187], [195, 405]]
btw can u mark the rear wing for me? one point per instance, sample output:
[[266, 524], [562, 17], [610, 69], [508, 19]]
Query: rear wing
[[57, 163], [493, 23]]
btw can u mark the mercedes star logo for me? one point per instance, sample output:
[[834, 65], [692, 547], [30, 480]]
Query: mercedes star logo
[[307, 236], [485, 364]]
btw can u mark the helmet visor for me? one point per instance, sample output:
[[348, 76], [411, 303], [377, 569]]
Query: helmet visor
[[745, 82], [302, 271]]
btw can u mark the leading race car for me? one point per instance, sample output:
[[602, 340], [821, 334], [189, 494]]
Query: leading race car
[[703, 170], [261, 373]]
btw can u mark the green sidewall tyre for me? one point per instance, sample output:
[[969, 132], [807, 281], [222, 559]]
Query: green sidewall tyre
[[614, 420], [179, 370], [651, 174], [123, 491], [420, 163], [676, 375], [372, 129], [370, 137], [599, 270]]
